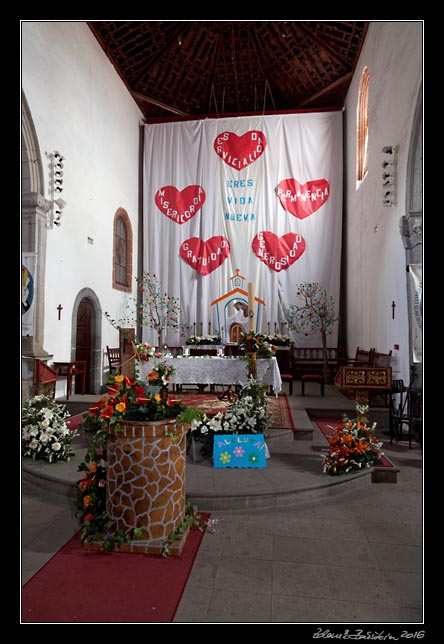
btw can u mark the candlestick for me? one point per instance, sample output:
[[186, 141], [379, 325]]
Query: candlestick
[[275, 327], [268, 326], [250, 306], [201, 328]]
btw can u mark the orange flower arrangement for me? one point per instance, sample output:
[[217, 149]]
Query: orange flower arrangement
[[353, 445]]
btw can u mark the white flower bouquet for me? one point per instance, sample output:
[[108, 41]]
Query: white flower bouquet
[[45, 434]]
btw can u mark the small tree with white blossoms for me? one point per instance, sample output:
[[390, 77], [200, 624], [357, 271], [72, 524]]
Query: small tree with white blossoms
[[45, 434], [316, 312]]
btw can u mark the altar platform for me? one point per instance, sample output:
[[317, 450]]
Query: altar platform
[[293, 473]]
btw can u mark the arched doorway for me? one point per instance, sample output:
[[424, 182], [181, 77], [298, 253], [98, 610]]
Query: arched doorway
[[87, 338], [83, 342]]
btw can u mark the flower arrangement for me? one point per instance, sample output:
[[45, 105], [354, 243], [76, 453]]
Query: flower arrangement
[[353, 445], [247, 414], [278, 339], [253, 342], [45, 434], [203, 339], [160, 375], [127, 399], [144, 351]]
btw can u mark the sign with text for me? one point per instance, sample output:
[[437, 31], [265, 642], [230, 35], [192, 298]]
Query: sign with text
[[239, 450]]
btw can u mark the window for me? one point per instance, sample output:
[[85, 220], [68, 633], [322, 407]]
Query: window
[[362, 129], [122, 251]]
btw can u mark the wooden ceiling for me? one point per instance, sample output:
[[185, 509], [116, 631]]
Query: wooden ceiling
[[192, 68]]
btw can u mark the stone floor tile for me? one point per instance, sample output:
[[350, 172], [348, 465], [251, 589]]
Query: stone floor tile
[[406, 588], [294, 609], [398, 557], [237, 606], [295, 525], [338, 529], [298, 550], [303, 609], [392, 532], [300, 580], [359, 585], [193, 603], [348, 553], [256, 545], [245, 574]]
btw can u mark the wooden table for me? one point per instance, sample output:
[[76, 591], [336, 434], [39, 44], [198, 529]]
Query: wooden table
[[70, 370]]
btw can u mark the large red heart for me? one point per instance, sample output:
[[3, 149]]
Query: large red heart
[[180, 205], [276, 252], [303, 200], [205, 256], [240, 151]]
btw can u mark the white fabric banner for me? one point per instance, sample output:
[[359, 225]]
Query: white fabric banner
[[230, 201], [415, 272]]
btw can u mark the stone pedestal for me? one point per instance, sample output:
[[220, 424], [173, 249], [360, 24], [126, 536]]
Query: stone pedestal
[[146, 482]]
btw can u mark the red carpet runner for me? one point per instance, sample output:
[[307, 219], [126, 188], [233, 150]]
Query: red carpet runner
[[327, 426], [78, 586]]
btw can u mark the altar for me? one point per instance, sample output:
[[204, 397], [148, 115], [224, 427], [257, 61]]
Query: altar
[[214, 370]]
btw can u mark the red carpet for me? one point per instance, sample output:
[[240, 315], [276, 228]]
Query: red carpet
[[278, 406], [327, 426], [78, 586], [74, 421]]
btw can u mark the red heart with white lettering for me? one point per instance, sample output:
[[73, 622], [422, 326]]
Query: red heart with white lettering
[[276, 252], [205, 256], [180, 205], [302, 200], [240, 151]]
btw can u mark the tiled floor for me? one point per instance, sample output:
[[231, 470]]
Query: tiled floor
[[352, 557]]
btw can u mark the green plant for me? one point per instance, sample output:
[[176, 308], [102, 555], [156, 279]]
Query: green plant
[[45, 434], [192, 518]]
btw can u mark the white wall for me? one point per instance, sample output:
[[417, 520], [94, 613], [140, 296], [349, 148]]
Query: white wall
[[375, 256], [81, 107]]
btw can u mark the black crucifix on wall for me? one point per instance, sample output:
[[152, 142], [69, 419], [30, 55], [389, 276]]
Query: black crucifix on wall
[[60, 309], [393, 310]]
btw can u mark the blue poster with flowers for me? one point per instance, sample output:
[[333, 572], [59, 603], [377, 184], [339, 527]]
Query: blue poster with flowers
[[239, 450]]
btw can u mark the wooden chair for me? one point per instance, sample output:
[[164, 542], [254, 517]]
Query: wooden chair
[[285, 364], [407, 412], [381, 359], [114, 359]]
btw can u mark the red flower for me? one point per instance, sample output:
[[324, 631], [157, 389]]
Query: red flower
[[140, 391], [89, 517], [97, 406], [107, 412]]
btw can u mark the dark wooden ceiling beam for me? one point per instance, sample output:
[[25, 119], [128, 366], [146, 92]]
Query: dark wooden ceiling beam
[[153, 101], [345, 79]]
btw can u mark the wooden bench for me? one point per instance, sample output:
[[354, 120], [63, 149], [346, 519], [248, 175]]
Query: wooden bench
[[311, 360]]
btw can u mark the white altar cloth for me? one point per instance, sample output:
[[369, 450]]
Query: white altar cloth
[[214, 371]]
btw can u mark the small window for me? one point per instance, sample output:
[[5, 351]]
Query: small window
[[362, 129], [122, 251]]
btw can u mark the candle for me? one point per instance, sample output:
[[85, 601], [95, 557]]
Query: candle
[[250, 306]]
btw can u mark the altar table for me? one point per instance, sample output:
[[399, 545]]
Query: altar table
[[215, 371]]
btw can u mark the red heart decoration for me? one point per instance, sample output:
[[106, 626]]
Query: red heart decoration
[[240, 151], [276, 252], [205, 256], [302, 200], [180, 205]]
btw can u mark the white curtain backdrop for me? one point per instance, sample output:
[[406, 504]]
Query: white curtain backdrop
[[259, 194]]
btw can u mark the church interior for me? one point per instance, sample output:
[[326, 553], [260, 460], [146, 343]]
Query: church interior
[[221, 306]]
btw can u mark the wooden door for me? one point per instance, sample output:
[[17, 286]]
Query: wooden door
[[83, 342]]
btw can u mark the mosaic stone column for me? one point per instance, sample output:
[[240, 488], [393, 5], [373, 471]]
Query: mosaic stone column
[[146, 481]]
